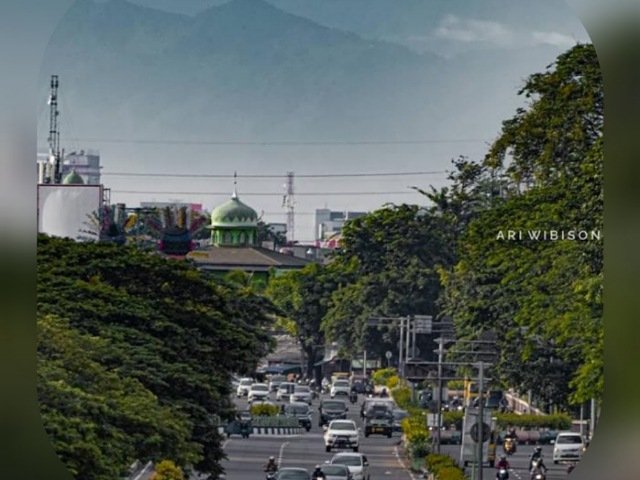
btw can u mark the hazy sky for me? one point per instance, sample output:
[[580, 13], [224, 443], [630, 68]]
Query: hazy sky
[[496, 35]]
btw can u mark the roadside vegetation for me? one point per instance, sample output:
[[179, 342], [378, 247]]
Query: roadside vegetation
[[135, 355], [541, 300]]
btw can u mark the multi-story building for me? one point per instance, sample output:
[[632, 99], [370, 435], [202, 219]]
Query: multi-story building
[[329, 223], [192, 207], [85, 163]]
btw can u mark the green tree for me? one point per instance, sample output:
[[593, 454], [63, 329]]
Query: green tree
[[165, 325], [302, 297], [542, 298], [389, 261]]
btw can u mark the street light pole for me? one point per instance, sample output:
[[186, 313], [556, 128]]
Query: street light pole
[[480, 419], [406, 346], [439, 402]]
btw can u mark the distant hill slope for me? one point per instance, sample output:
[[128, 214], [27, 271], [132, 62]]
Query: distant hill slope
[[247, 70]]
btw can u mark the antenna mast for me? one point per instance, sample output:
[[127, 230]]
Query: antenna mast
[[54, 134], [289, 204]]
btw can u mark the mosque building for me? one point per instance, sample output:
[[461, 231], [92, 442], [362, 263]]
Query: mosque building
[[235, 245]]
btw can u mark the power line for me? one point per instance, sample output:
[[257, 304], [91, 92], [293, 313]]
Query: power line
[[262, 194], [307, 175], [278, 143]]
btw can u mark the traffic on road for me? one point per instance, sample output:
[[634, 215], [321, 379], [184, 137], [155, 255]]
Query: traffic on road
[[357, 436]]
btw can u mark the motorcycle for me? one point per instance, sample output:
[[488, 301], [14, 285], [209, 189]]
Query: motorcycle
[[502, 474], [353, 397], [509, 446], [536, 471], [271, 474]]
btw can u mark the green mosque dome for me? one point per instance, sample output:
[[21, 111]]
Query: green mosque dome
[[234, 213], [73, 178], [234, 224]]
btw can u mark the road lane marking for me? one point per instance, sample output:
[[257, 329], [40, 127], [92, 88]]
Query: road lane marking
[[401, 462], [281, 452]]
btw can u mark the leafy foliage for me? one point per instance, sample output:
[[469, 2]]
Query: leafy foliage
[[383, 375], [559, 421], [265, 410], [302, 297], [542, 298], [167, 470], [389, 261], [170, 334]]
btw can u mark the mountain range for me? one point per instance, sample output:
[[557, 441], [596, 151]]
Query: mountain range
[[246, 70]]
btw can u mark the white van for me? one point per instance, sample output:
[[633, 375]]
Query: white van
[[568, 446]]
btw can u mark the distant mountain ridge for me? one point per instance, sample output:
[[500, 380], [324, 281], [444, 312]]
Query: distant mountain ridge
[[247, 70], [241, 69]]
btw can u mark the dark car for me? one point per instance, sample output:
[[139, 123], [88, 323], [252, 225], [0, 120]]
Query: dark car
[[301, 411], [379, 423], [398, 415], [372, 406], [331, 410]]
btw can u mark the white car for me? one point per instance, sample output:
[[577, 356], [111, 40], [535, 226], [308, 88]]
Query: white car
[[340, 387], [357, 464], [258, 392], [244, 386], [568, 446], [285, 390], [342, 434], [301, 393], [275, 381]]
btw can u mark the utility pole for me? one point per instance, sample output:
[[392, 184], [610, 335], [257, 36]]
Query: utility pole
[[407, 339], [400, 362], [413, 338], [480, 419], [364, 363]]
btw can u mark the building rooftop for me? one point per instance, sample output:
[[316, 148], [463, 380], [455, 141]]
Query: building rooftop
[[246, 258]]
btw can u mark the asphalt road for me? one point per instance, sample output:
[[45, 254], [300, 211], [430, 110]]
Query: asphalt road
[[246, 457], [519, 462]]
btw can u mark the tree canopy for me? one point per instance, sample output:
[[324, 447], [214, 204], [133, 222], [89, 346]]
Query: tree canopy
[[542, 297], [136, 354]]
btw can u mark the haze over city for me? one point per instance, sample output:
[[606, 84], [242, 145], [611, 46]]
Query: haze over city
[[265, 87]]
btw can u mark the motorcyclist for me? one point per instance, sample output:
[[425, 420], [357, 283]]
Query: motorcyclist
[[536, 457], [318, 474], [510, 441], [383, 393], [502, 464], [271, 466], [353, 394]]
